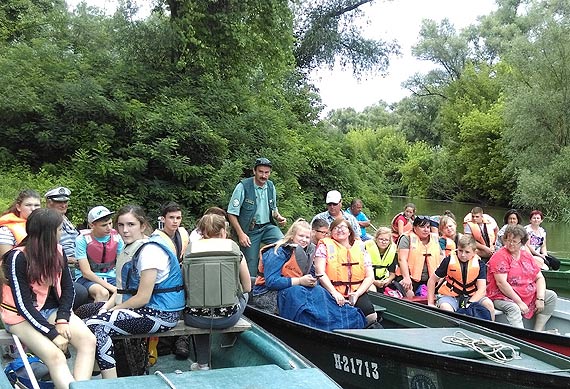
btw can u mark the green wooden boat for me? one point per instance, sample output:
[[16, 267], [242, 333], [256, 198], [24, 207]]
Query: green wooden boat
[[411, 353], [559, 280], [249, 359]]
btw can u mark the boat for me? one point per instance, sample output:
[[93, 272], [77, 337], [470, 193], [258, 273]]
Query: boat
[[251, 358], [412, 352], [559, 280], [555, 338]]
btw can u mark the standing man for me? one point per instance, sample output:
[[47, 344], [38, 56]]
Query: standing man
[[484, 229], [334, 211], [253, 213], [363, 221], [58, 199]]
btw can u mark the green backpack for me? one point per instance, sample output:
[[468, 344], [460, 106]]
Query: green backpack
[[211, 273]]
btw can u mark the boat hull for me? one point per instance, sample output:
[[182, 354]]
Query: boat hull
[[559, 280], [359, 363], [560, 320]]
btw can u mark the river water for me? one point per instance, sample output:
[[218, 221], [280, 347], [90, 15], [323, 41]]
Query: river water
[[557, 233]]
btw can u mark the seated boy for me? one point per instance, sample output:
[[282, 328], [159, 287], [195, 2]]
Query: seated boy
[[465, 279], [319, 230], [96, 253]]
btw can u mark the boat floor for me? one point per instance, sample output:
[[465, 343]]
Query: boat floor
[[251, 377], [430, 340]]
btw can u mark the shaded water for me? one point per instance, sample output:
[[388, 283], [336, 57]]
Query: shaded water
[[557, 233]]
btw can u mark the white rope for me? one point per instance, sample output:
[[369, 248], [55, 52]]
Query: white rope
[[493, 350]]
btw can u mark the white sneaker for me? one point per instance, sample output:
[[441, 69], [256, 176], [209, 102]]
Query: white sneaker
[[196, 366]]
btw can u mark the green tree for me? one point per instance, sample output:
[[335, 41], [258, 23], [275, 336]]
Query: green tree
[[325, 31]]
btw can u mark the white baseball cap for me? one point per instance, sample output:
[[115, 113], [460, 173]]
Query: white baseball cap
[[98, 212], [333, 196]]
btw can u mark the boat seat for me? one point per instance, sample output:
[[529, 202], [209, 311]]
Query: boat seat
[[180, 329], [183, 329], [424, 339]]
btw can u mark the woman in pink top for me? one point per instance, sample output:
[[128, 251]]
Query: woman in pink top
[[515, 283]]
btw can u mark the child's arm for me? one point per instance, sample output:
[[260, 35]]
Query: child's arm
[[91, 276]]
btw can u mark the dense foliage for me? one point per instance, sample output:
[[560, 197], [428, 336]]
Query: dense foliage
[[177, 105]]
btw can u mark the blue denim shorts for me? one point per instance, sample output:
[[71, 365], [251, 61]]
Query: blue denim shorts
[[46, 313]]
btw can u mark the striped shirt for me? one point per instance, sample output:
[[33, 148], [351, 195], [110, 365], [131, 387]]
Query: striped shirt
[[68, 235]]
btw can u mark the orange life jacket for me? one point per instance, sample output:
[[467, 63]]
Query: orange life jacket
[[454, 285], [290, 268], [8, 310], [344, 267], [476, 230], [450, 247], [16, 225], [421, 254], [407, 227]]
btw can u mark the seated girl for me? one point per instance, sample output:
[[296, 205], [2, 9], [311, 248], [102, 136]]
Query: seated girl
[[153, 297], [37, 299], [213, 230]]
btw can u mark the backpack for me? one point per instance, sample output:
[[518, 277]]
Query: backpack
[[477, 310], [17, 374], [210, 270]]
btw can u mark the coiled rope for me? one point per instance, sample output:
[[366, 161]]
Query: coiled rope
[[493, 350]]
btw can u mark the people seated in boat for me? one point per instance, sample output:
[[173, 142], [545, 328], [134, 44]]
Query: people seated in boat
[[512, 218], [345, 269], [283, 264], [334, 211], [171, 230], [448, 235], [536, 243], [58, 199], [319, 230], [196, 234], [37, 299], [152, 290], [419, 255], [13, 220], [355, 210], [465, 279], [96, 252], [384, 257], [484, 229], [516, 284], [402, 222], [214, 240]]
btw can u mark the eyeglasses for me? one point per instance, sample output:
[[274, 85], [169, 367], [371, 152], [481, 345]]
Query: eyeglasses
[[340, 227], [321, 232], [332, 204], [513, 242]]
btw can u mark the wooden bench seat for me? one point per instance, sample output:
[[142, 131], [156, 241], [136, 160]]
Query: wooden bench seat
[[183, 329], [180, 329]]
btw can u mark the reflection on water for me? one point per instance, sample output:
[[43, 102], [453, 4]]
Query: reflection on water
[[556, 232]]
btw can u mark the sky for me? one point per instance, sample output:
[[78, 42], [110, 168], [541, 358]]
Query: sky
[[387, 20]]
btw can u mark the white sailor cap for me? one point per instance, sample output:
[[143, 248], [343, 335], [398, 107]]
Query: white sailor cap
[[58, 194]]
